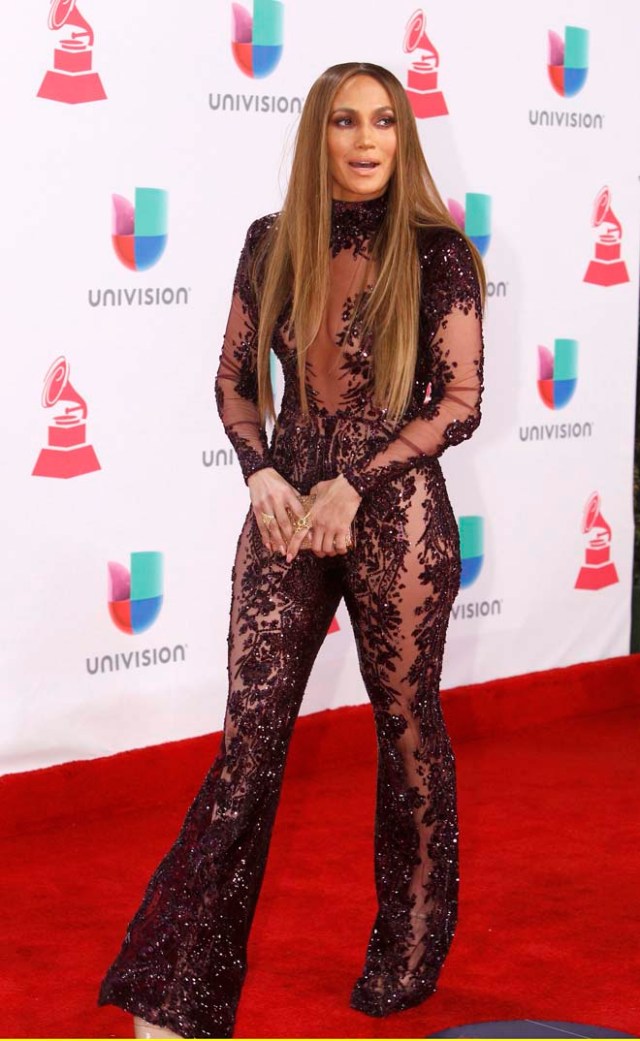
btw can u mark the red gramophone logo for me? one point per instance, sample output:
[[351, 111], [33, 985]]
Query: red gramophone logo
[[67, 453], [607, 268], [422, 78], [598, 569], [72, 79]]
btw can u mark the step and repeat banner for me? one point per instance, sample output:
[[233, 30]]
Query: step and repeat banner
[[140, 142]]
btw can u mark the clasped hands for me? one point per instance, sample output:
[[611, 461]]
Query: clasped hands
[[330, 517]]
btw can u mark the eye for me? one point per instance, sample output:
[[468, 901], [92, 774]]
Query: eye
[[387, 121], [342, 121]]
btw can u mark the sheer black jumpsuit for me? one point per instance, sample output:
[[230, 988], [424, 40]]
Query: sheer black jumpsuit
[[183, 958]]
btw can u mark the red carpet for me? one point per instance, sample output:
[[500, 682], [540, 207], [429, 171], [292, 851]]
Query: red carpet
[[548, 772]]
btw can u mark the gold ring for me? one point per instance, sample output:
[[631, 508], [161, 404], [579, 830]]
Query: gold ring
[[347, 540], [267, 518], [302, 522]]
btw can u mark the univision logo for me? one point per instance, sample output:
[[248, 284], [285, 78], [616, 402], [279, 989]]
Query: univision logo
[[557, 381], [567, 68], [256, 45], [140, 229], [558, 373], [139, 237], [471, 530], [135, 601], [568, 60], [257, 42], [474, 218], [136, 595]]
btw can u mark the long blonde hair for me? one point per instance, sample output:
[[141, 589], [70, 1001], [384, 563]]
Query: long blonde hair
[[292, 259]]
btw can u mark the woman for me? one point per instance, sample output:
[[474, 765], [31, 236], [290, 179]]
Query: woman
[[371, 298]]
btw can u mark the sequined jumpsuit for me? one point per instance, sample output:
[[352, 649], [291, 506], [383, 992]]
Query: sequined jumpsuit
[[183, 959]]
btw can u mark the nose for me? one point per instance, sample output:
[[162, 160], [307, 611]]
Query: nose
[[364, 137]]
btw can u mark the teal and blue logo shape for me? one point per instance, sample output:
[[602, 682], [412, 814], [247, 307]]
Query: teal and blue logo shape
[[474, 218], [471, 530], [558, 373], [257, 41], [136, 594], [568, 60], [140, 230]]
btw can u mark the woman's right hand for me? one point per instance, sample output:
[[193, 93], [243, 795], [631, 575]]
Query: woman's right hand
[[271, 494]]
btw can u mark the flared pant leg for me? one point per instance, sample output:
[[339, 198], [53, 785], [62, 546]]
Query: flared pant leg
[[183, 959], [400, 590]]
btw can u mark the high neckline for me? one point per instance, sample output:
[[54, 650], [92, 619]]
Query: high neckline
[[355, 221]]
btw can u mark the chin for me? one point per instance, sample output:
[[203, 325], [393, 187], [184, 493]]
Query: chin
[[367, 189]]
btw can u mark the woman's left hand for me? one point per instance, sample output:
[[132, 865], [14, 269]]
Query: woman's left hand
[[335, 507]]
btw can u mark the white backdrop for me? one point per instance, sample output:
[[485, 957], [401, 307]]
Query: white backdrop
[[180, 115]]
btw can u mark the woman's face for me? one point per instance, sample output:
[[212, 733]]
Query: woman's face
[[361, 140]]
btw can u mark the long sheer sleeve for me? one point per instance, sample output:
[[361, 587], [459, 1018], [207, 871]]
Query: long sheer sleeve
[[451, 412], [236, 383]]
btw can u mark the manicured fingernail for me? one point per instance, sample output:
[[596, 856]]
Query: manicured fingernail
[[289, 558]]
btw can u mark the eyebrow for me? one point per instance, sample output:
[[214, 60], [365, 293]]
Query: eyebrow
[[354, 111]]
